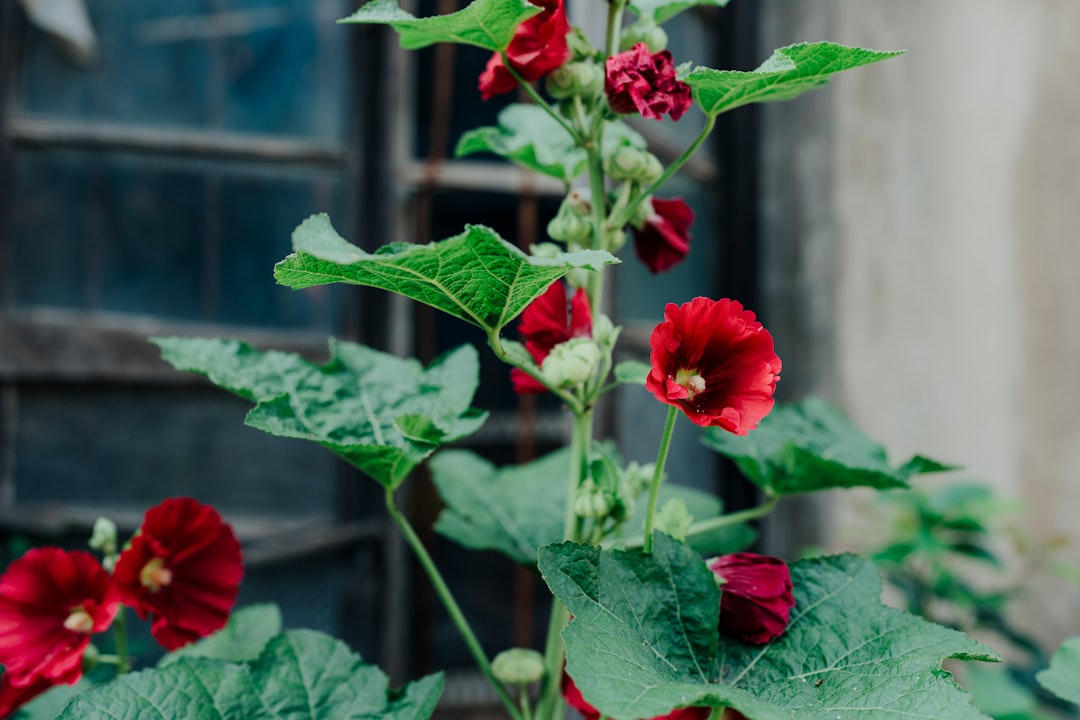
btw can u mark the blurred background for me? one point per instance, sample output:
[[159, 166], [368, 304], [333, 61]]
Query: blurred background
[[909, 236]]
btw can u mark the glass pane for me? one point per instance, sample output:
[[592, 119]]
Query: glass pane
[[144, 235], [265, 66]]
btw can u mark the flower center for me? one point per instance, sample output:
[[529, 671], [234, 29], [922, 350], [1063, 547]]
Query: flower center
[[155, 575], [79, 621], [689, 379]]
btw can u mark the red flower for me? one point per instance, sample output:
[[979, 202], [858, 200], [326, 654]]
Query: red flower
[[12, 697], [715, 362], [574, 699], [184, 567], [51, 600], [538, 47], [640, 82], [546, 322], [664, 238], [756, 596]]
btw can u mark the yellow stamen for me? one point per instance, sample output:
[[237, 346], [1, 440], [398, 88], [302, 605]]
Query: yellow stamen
[[155, 575], [79, 621], [692, 381]]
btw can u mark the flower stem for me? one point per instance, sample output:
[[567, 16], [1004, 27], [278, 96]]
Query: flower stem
[[441, 589], [526, 711], [716, 523], [538, 100], [123, 662], [658, 475]]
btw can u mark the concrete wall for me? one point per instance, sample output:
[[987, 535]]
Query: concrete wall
[[953, 244]]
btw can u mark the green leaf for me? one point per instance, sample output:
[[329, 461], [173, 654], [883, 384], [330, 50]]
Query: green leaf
[[248, 631], [475, 276], [1063, 676], [528, 136], [632, 372], [301, 675], [790, 72], [489, 24], [664, 10], [639, 654], [518, 508], [49, 704], [809, 446], [364, 405], [998, 694]]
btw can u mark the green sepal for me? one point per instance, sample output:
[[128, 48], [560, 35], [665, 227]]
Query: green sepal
[[488, 24], [790, 72], [663, 10], [475, 276], [380, 413]]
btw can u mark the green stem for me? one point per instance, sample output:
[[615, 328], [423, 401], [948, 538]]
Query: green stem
[[716, 523], [123, 662], [598, 199], [658, 475], [614, 21], [538, 100], [523, 693], [621, 218], [450, 604]]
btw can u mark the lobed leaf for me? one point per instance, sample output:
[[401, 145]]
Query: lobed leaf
[[645, 639], [489, 24], [300, 675], [1063, 676], [664, 10], [380, 413], [242, 639], [790, 72], [810, 446], [475, 276]]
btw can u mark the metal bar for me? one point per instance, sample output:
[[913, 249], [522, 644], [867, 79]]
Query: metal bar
[[27, 131]]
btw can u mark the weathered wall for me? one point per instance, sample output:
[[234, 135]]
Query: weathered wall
[[953, 175]]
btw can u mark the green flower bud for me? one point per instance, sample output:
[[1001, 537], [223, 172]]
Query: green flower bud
[[641, 212], [644, 30], [638, 477], [103, 538], [583, 79], [580, 47], [591, 501], [631, 164], [573, 222], [674, 519], [518, 666], [545, 250], [605, 332], [572, 362], [615, 240]]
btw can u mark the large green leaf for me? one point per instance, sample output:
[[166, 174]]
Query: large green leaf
[[644, 640], [810, 446], [790, 72], [528, 136], [1063, 676], [301, 675], [248, 631], [519, 508], [664, 10], [380, 413], [489, 24], [476, 276]]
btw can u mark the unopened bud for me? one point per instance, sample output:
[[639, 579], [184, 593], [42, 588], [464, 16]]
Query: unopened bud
[[638, 476], [103, 538], [571, 363], [604, 331], [573, 221], [641, 212], [644, 30], [674, 519], [582, 79], [579, 45], [590, 501], [546, 250], [631, 164], [518, 666]]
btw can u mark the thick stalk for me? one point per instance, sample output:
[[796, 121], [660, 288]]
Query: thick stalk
[[716, 523], [447, 598], [123, 662], [658, 475], [598, 199]]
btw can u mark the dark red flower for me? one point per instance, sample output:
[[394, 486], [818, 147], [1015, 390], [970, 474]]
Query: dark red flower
[[715, 362], [574, 699], [12, 697], [184, 568], [755, 597], [640, 82], [538, 47], [546, 322], [51, 600], [663, 240]]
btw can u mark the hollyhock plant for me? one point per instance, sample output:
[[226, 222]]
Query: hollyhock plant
[[663, 239], [539, 46], [574, 699], [756, 596], [51, 601], [641, 82], [713, 360], [184, 569], [546, 322]]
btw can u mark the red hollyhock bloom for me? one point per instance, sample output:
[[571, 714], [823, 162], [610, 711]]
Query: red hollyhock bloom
[[545, 323], [640, 82], [184, 568], [12, 698], [574, 699], [664, 238], [538, 47], [715, 362], [51, 600], [756, 596]]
